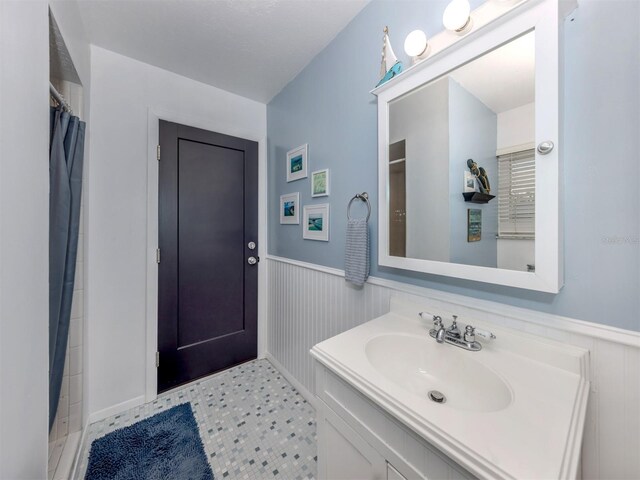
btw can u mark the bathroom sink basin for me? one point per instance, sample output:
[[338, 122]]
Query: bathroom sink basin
[[518, 391], [420, 365]]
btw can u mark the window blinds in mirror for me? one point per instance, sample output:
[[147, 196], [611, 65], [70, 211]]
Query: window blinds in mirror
[[516, 195]]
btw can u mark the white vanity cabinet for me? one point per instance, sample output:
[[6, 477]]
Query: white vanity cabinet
[[345, 454], [358, 441]]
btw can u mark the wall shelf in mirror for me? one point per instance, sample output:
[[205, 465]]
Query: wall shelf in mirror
[[478, 96], [477, 197]]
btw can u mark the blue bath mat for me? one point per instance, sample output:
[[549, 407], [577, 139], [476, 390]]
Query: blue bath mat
[[164, 446]]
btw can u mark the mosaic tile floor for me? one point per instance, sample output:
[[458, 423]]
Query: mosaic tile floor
[[253, 424]]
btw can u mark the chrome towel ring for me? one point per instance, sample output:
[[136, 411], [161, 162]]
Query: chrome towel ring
[[364, 196]]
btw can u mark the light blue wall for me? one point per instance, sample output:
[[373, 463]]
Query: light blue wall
[[473, 133], [329, 106]]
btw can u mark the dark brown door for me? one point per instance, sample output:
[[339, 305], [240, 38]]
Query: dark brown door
[[207, 289]]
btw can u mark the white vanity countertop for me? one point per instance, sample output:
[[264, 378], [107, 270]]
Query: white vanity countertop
[[537, 435]]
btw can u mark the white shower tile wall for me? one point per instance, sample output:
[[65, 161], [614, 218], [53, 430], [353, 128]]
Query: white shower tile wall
[[253, 424]]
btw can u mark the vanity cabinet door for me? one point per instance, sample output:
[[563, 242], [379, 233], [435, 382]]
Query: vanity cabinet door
[[343, 454]]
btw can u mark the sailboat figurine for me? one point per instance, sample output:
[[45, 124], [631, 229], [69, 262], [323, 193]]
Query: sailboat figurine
[[390, 66]]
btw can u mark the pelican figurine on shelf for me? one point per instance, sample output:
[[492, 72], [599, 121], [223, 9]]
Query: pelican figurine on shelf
[[390, 66]]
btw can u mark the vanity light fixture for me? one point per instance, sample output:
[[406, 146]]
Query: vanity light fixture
[[457, 17], [416, 46]]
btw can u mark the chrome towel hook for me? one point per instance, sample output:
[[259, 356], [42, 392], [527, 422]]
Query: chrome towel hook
[[364, 196]]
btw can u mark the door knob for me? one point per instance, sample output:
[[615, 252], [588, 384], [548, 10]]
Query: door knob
[[253, 260]]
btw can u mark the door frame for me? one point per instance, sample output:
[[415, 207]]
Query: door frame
[[154, 115]]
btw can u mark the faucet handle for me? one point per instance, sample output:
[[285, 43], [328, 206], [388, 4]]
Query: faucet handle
[[429, 316], [437, 321], [485, 334], [469, 334]]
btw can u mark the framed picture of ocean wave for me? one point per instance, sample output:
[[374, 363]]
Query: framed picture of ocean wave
[[315, 223], [297, 160], [289, 209]]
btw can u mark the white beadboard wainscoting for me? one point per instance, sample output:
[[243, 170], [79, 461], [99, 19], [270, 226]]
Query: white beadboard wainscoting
[[310, 303]]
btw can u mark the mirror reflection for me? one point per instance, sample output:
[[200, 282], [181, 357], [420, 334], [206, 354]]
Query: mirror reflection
[[462, 163]]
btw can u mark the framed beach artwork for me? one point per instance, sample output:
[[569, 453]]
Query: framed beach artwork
[[315, 223], [320, 183], [474, 225], [297, 163], [289, 210]]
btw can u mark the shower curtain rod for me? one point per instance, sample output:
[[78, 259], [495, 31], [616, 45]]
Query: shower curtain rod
[[59, 98]]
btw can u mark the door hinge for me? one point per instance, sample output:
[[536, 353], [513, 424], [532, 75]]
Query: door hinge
[[157, 359], [158, 152], [157, 255]]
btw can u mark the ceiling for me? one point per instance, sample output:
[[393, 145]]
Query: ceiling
[[249, 47], [504, 78]]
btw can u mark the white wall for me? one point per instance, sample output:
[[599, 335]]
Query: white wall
[[516, 127], [24, 239], [123, 90], [516, 254], [425, 130]]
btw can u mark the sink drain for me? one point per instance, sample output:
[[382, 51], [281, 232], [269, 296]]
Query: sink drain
[[436, 396]]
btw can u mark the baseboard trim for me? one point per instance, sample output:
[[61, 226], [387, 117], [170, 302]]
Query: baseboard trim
[[308, 396], [116, 409], [567, 324]]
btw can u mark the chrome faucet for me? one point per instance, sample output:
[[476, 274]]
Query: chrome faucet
[[438, 327], [453, 330], [453, 336]]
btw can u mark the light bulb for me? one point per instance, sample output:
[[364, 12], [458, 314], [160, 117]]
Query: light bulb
[[456, 16], [416, 43]]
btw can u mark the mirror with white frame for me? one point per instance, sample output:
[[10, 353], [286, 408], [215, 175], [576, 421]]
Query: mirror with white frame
[[462, 163], [467, 188]]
